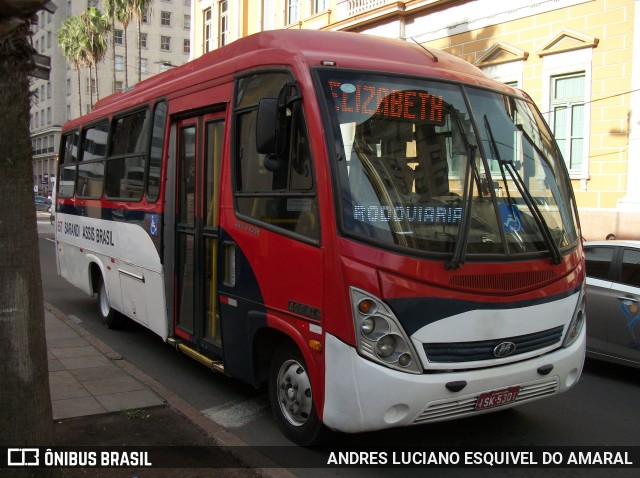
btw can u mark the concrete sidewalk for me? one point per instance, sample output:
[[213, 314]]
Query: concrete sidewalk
[[87, 377], [84, 380]]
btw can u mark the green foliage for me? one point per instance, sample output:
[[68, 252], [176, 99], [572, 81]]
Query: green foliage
[[132, 413], [95, 25], [139, 8], [70, 40]]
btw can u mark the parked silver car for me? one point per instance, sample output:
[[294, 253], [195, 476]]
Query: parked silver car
[[42, 203], [613, 301]]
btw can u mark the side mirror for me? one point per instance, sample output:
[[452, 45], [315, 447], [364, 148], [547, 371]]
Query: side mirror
[[266, 126], [272, 130]]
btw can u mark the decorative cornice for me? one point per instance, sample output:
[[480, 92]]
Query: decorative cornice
[[567, 40], [501, 53]]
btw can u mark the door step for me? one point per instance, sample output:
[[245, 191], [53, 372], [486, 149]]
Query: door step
[[215, 365]]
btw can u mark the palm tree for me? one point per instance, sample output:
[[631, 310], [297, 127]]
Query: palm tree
[[120, 11], [139, 8], [113, 9], [95, 26], [69, 39]]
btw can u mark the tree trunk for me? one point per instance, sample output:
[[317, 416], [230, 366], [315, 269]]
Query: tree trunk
[[79, 94], [113, 54], [90, 81], [126, 58], [97, 83], [25, 403], [139, 54]]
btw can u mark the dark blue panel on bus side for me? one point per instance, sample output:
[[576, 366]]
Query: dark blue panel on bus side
[[242, 314]]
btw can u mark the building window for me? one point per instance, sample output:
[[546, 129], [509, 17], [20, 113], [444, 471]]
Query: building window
[[119, 86], [119, 63], [165, 19], [207, 47], [145, 17], [143, 40], [165, 43], [49, 35], [268, 17], [223, 37], [93, 86], [186, 22], [319, 6], [143, 66], [48, 90], [293, 11], [567, 117], [186, 46], [118, 37], [566, 88], [48, 115]]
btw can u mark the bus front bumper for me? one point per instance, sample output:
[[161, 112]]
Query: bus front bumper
[[361, 395]]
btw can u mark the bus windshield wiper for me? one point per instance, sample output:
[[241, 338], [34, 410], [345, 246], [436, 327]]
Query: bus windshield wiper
[[554, 250], [467, 201]]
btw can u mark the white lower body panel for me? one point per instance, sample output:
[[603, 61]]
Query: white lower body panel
[[361, 395]]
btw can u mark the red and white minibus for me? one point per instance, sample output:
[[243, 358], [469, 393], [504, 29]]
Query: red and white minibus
[[378, 231]]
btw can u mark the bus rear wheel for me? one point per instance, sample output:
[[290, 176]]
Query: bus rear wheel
[[291, 398], [111, 319]]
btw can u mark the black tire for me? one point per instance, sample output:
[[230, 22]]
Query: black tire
[[291, 398], [111, 318]]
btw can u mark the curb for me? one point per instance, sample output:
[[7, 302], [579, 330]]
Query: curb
[[220, 436]]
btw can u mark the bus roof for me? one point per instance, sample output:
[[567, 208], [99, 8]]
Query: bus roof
[[287, 47]]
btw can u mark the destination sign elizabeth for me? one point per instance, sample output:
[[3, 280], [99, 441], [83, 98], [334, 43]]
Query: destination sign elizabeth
[[371, 99]]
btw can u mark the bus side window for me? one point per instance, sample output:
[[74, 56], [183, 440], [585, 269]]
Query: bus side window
[[126, 164], [285, 197], [155, 154], [91, 166], [68, 161]]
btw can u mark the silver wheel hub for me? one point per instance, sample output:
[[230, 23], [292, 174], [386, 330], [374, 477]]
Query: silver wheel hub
[[294, 393]]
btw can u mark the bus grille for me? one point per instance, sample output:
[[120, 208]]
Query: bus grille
[[505, 282], [456, 352], [458, 408]]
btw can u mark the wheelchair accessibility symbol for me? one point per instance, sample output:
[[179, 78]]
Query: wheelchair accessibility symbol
[[153, 224], [510, 216]]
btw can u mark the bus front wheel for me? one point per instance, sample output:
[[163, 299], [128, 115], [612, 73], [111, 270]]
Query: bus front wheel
[[111, 319], [291, 398]]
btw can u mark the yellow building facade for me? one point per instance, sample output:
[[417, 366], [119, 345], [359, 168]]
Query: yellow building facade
[[578, 59]]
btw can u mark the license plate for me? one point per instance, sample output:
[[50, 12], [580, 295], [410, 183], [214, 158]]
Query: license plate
[[497, 398]]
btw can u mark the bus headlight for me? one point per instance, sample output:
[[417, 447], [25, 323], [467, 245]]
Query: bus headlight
[[578, 320], [380, 337]]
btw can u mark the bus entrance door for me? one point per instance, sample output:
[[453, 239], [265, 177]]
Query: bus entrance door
[[199, 151]]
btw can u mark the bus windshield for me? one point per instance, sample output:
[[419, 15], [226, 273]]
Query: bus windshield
[[426, 165]]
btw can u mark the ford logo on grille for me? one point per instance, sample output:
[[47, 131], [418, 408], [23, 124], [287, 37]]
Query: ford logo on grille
[[504, 349]]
